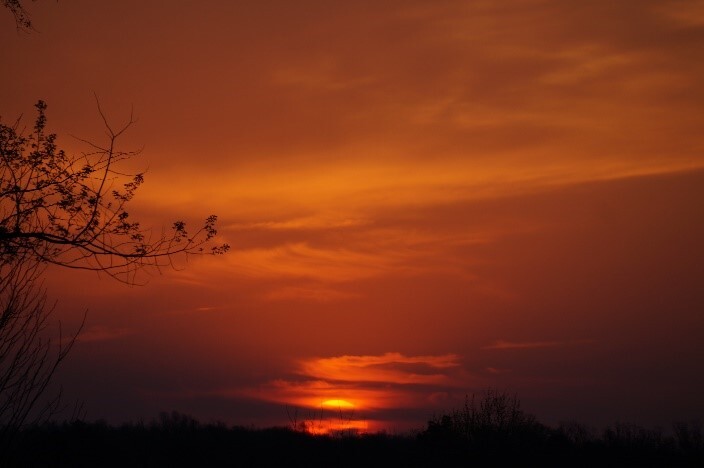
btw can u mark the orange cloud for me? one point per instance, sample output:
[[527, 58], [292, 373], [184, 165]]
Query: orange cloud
[[358, 387], [312, 394], [390, 368], [301, 223], [367, 383], [301, 260]]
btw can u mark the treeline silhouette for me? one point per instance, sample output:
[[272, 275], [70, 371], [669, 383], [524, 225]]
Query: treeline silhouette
[[487, 431]]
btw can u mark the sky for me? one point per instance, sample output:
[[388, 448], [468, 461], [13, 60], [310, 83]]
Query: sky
[[424, 200]]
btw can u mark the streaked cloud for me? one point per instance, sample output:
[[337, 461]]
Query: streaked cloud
[[689, 13], [303, 223], [495, 370], [504, 344], [315, 293], [301, 260], [388, 368], [103, 333], [366, 385]]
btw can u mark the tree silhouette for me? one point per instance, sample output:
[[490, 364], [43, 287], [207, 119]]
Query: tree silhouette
[[28, 356], [71, 210], [22, 20], [68, 211]]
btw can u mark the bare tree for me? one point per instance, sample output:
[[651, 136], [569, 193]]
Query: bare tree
[[28, 355], [71, 210], [68, 211]]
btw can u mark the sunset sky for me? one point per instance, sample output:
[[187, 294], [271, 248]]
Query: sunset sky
[[424, 199]]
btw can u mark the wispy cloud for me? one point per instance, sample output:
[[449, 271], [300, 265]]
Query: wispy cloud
[[496, 370], [386, 368], [103, 333], [301, 223], [319, 293], [504, 344], [301, 260], [688, 13]]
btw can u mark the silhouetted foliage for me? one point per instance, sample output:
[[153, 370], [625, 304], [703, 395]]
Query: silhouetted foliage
[[489, 428], [177, 440], [71, 210], [16, 7], [494, 431], [689, 435], [495, 415]]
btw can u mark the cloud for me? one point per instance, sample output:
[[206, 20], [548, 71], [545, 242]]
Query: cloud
[[363, 388], [368, 385], [103, 333], [387, 368], [504, 344], [301, 223], [312, 394], [318, 76], [495, 370], [309, 293], [363, 257], [301, 260], [687, 13]]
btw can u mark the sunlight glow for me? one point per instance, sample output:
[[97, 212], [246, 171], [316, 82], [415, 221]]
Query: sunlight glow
[[340, 404], [331, 427]]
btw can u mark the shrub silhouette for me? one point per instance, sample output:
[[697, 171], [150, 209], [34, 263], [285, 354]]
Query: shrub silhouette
[[688, 436], [496, 414], [490, 428]]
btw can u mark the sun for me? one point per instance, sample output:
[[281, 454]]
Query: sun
[[337, 404]]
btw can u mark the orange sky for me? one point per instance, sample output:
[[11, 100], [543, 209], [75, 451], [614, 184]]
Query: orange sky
[[424, 199]]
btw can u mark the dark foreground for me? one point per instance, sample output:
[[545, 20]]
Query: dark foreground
[[179, 441]]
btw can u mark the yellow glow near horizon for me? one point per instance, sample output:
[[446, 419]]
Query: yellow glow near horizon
[[340, 404], [330, 427]]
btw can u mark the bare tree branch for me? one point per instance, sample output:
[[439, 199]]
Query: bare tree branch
[[22, 20], [71, 210], [68, 211], [28, 355]]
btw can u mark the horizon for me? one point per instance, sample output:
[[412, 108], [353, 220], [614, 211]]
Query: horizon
[[424, 200]]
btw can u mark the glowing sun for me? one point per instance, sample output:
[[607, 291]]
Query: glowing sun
[[338, 404]]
